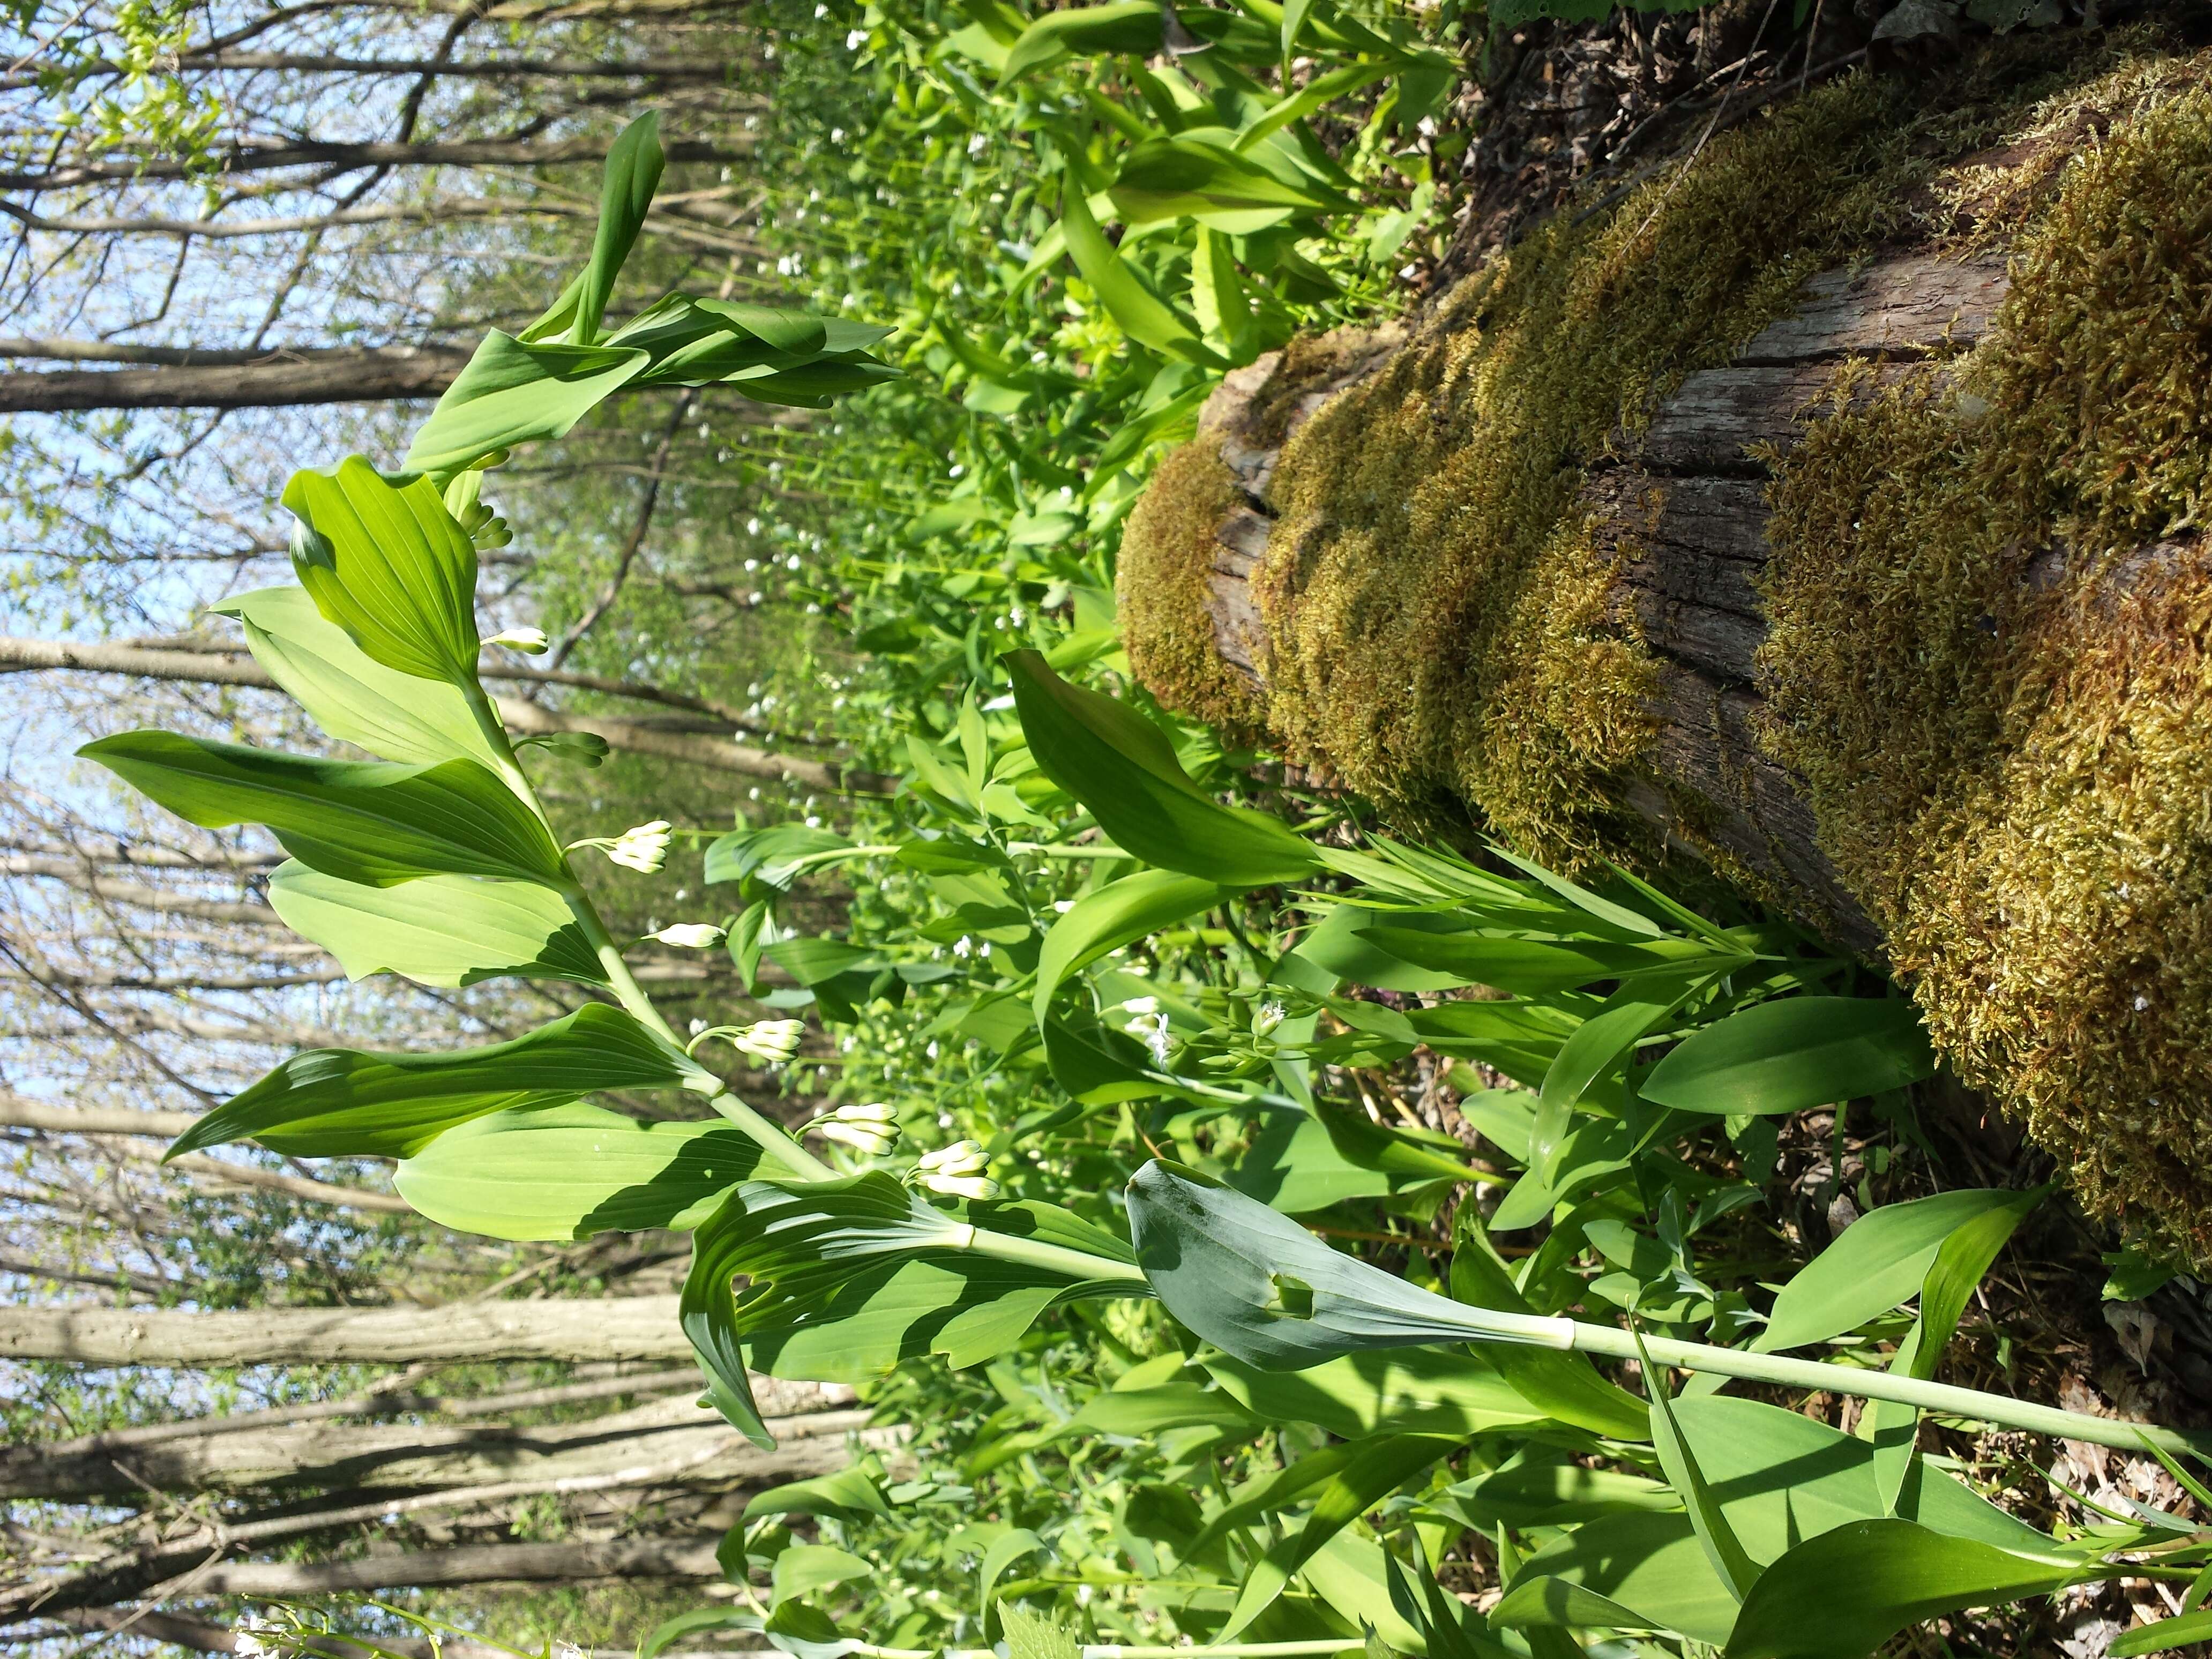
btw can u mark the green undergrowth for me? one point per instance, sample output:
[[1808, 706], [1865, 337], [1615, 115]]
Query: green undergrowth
[[1999, 700]]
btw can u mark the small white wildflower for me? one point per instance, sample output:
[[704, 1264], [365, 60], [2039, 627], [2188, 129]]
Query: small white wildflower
[[1141, 1005], [963, 946], [961, 1157], [643, 849], [871, 1130], [773, 1041], [530, 640], [1063, 906], [976, 143], [856, 40], [1152, 1030], [2141, 1003], [697, 1026], [970, 1186], [1269, 1016], [690, 935]]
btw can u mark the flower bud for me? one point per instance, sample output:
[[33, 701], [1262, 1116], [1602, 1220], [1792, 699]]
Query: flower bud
[[1265, 1018], [773, 1041], [528, 640], [692, 935], [871, 1141], [644, 849], [961, 1157], [970, 1187]]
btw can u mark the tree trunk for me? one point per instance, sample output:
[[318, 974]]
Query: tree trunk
[[264, 157], [623, 1327], [673, 1433], [335, 375], [480, 1563]]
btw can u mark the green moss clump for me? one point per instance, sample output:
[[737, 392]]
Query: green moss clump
[[1162, 590], [1441, 624], [1999, 693]]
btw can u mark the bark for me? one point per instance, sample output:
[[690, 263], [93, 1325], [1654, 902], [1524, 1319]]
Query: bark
[[1684, 516], [18, 1113], [265, 156], [201, 1636], [702, 749], [489, 69], [479, 1564], [627, 1327], [674, 1433], [336, 375]]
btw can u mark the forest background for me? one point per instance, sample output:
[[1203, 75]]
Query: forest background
[[245, 240]]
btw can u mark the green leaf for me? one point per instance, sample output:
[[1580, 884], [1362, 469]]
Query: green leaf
[[802, 1569], [1843, 1593], [847, 1278], [571, 1171], [1139, 312], [511, 392], [1123, 769], [1032, 1634], [1679, 1458], [1542, 1486], [774, 854], [1134, 907], [1411, 1391], [1526, 968], [633, 174], [1122, 26], [446, 931], [355, 698], [1603, 1042], [1259, 1287], [1880, 1259], [1347, 1495], [1202, 176], [848, 1494], [1960, 1263], [342, 1102], [2163, 1636], [389, 565], [1795, 1054], [1143, 1412], [369, 822]]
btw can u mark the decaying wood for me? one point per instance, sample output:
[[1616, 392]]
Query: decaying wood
[[1680, 513], [674, 1432], [619, 1327]]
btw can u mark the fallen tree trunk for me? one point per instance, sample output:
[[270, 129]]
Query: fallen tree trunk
[[675, 1433], [1886, 600], [623, 1328], [568, 1563]]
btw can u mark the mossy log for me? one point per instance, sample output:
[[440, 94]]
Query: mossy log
[[1825, 511], [1681, 517]]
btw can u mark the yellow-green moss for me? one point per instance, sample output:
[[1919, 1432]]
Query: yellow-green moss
[[1440, 623], [1162, 587], [2001, 704]]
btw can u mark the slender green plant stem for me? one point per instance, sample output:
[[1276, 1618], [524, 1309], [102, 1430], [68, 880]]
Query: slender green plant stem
[[1790, 1373], [771, 1136], [1055, 1258]]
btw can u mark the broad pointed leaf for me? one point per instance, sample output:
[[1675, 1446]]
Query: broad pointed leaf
[[342, 1102]]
